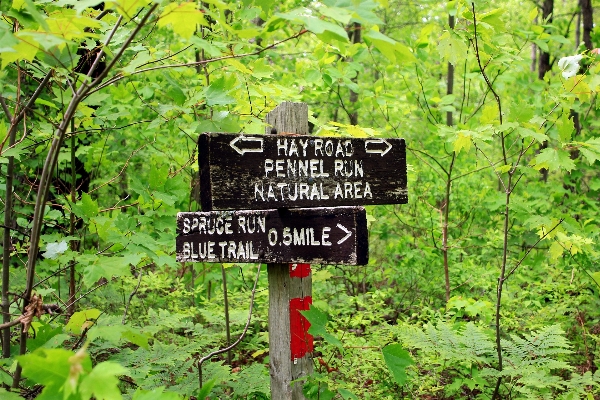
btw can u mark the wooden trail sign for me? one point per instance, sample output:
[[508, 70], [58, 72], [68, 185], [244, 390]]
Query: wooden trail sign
[[277, 171], [313, 235]]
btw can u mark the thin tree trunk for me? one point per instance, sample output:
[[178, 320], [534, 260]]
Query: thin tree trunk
[[587, 12], [544, 65], [355, 36]]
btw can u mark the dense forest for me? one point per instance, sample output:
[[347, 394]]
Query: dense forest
[[485, 285]]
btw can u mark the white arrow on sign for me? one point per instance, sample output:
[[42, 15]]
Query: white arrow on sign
[[243, 139], [348, 233], [377, 141]]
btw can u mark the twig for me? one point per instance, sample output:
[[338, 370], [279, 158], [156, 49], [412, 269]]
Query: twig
[[131, 297], [239, 339]]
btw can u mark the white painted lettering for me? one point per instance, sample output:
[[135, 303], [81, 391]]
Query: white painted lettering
[[287, 236], [304, 144], [295, 192], [211, 250], [251, 256], [325, 236], [347, 190], [338, 167], [349, 148], [367, 191], [271, 193], [186, 249], [231, 250], [358, 168], [241, 223], [228, 229], [323, 195], [338, 191], [329, 148], [321, 172], [299, 237], [314, 164], [281, 186], [200, 224], [314, 193], [186, 225], [219, 225], [279, 168], [293, 148], [318, 147], [258, 191], [304, 190], [339, 150], [282, 145], [291, 167], [272, 237], [223, 247], [357, 194], [302, 166], [261, 222], [241, 251], [268, 167]]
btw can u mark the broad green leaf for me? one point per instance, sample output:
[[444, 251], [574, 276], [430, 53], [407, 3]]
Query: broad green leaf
[[590, 150], [556, 251], [108, 267], [159, 394], [11, 152], [6, 395], [325, 30], [554, 159], [205, 390], [393, 50], [565, 127], [184, 18], [489, 114], [318, 323], [128, 8], [596, 277], [529, 133], [217, 93], [452, 48], [462, 142], [81, 320], [346, 394], [102, 383], [86, 207], [397, 359]]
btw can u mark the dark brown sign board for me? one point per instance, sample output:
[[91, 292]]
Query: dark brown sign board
[[310, 235], [280, 171]]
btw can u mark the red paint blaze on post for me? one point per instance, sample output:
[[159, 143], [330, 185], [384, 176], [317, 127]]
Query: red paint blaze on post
[[301, 341], [299, 270]]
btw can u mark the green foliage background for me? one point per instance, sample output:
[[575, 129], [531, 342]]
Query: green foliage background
[[504, 198]]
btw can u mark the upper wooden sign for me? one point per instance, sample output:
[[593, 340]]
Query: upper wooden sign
[[239, 171]]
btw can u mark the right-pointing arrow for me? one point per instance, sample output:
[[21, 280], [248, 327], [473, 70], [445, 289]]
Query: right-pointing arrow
[[348, 233], [377, 149], [240, 148]]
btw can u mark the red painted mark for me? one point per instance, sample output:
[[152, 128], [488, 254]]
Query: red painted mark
[[301, 341], [299, 270]]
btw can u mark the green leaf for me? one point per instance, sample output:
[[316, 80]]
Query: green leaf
[[102, 382], [393, 50], [452, 48], [346, 394], [206, 389], [596, 277], [217, 93], [462, 142], [565, 127], [81, 320], [318, 322], [554, 159], [86, 207], [108, 267], [325, 30], [159, 394], [6, 395], [527, 133], [397, 359], [184, 18], [590, 150]]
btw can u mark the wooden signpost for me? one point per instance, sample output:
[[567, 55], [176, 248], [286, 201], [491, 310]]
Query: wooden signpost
[[275, 171], [264, 180], [302, 235]]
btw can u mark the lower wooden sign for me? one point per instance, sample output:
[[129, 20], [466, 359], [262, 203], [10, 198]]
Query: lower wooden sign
[[300, 235]]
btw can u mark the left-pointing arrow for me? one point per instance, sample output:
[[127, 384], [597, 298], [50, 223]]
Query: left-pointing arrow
[[348, 234], [243, 141]]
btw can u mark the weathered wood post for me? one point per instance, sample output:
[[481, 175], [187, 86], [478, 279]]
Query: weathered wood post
[[290, 289]]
